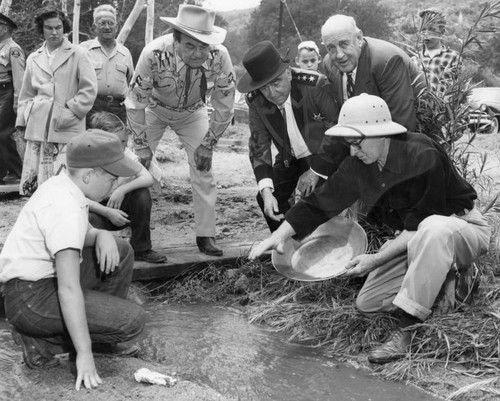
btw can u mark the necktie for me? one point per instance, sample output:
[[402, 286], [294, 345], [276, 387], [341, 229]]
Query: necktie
[[187, 84], [203, 85], [286, 140], [350, 85]]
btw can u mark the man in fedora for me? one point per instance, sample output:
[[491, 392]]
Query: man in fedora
[[12, 64], [292, 109], [169, 88], [408, 182]]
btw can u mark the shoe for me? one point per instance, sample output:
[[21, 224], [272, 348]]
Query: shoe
[[116, 350], [395, 348], [32, 357], [207, 246], [150, 256]]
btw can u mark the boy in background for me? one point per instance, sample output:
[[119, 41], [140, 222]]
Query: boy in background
[[66, 282], [308, 57], [130, 201]]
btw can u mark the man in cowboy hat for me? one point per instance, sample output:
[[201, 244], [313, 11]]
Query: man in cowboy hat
[[408, 182], [12, 64], [291, 108], [356, 64], [169, 88]]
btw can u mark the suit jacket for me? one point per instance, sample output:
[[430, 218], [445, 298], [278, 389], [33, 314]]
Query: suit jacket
[[386, 71], [56, 98], [315, 110]]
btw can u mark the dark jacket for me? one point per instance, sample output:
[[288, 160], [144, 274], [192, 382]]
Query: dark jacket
[[314, 109], [386, 71]]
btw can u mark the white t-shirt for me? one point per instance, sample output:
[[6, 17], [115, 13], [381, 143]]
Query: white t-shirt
[[54, 219]]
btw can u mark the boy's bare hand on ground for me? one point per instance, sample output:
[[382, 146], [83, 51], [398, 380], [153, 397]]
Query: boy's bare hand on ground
[[86, 371]]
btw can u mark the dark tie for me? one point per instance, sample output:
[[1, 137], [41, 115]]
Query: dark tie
[[350, 85], [203, 85], [286, 140], [187, 84]]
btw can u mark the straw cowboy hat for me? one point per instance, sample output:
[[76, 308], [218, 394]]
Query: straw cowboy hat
[[197, 22], [263, 63], [365, 116], [324, 253]]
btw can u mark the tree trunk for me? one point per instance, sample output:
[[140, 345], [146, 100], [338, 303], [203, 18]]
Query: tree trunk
[[5, 7], [76, 22], [129, 23], [150, 20]]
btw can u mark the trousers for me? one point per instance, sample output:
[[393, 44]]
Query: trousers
[[9, 157], [32, 307], [413, 280], [190, 127], [137, 204]]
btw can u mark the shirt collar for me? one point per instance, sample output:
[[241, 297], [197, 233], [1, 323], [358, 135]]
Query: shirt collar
[[180, 63], [74, 190], [393, 158]]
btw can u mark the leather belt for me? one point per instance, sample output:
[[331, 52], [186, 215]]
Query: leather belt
[[192, 108], [110, 99]]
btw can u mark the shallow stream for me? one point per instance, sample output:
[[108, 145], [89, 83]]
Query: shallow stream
[[216, 346]]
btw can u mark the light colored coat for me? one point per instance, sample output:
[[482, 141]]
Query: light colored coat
[[55, 100]]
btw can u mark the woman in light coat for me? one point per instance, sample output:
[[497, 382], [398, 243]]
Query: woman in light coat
[[58, 90]]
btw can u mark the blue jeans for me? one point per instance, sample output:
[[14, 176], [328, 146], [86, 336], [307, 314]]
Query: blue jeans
[[32, 307], [137, 204]]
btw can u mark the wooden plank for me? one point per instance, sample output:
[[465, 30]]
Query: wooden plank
[[8, 188], [185, 259]]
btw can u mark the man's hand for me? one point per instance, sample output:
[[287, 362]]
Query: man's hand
[[116, 198], [117, 217], [267, 244], [145, 155], [107, 253], [307, 182], [361, 265], [271, 205], [86, 371], [203, 158]]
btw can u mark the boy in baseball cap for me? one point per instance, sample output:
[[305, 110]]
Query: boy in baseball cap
[[65, 282]]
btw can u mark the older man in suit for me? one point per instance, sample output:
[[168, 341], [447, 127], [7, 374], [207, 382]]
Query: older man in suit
[[290, 108], [357, 64]]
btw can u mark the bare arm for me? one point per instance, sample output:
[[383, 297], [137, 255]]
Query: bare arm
[[73, 310]]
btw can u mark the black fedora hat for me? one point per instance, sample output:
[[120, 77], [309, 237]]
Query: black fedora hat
[[263, 63], [4, 20]]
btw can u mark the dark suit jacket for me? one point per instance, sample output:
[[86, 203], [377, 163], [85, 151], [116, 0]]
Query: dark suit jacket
[[315, 110], [386, 71]]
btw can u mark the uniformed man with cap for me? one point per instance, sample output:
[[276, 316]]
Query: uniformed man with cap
[[169, 88], [12, 64], [291, 108]]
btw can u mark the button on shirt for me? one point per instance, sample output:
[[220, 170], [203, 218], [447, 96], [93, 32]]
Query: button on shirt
[[114, 71], [418, 180], [160, 79], [55, 218], [12, 65]]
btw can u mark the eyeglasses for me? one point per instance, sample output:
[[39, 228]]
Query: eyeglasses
[[355, 143]]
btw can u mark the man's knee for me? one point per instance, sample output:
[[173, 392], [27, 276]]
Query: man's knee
[[140, 198]]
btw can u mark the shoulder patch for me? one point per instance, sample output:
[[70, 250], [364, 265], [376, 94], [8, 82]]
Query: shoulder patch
[[15, 53], [306, 78]]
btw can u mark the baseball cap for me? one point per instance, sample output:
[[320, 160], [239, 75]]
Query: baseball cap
[[98, 148]]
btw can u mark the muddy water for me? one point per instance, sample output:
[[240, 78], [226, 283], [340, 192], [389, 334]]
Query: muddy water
[[216, 346]]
